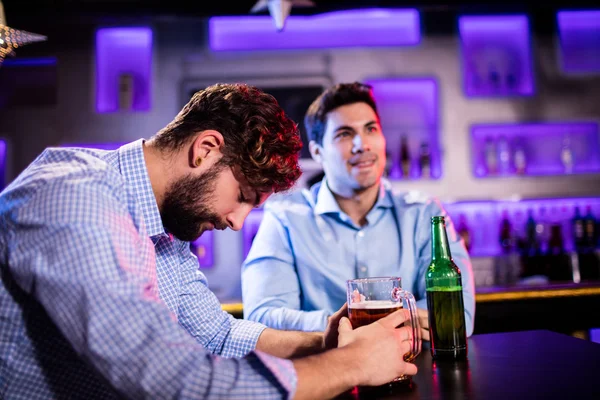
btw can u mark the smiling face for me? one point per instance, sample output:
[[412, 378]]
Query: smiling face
[[353, 151]]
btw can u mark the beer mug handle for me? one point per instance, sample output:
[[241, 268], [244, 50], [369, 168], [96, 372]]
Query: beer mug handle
[[408, 302]]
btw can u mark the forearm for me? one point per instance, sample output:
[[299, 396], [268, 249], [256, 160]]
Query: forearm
[[327, 375], [290, 344], [286, 318]]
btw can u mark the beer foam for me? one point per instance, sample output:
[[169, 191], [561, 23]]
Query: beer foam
[[376, 304]]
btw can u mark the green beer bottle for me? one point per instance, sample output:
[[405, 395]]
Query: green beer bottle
[[445, 298]]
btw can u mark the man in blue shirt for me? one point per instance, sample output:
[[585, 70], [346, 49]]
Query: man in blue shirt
[[349, 225], [101, 298]]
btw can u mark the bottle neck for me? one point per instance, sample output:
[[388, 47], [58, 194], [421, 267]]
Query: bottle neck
[[440, 249]]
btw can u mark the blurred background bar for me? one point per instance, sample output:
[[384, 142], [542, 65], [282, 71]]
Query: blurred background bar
[[492, 107]]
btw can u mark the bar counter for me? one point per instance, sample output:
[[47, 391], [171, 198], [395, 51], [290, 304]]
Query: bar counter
[[513, 365], [562, 308]]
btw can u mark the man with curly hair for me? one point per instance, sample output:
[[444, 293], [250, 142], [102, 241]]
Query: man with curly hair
[[101, 298]]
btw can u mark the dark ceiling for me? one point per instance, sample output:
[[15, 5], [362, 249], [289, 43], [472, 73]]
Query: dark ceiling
[[439, 16], [203, 8]]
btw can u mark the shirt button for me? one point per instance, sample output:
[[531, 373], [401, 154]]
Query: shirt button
[[361, 234], [363, 269]]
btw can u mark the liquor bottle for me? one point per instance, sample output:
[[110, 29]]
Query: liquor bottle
[[443, 283], [542, 230], [504, 154], [578, 231], [494, 77], [425, 160], [589, 229], [404, 157], [520, 159], [566, 155], [491, 158], [506, 234], [531, 235], [463, 231], [126, 91]]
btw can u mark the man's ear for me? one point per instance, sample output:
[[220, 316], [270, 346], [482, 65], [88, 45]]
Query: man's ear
[[315, 151], [206, 148]]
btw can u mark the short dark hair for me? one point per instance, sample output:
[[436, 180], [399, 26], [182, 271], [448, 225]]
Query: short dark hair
[[258, 136], [332, 98]]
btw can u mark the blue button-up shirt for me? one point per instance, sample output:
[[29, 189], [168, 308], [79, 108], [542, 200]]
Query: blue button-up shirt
[[306, 248], [98, 301]]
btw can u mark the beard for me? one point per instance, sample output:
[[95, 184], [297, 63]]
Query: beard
[[185, 206]]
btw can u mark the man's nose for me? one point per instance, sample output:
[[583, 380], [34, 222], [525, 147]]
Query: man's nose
[[236, 219]]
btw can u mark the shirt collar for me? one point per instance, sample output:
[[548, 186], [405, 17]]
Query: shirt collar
[[326, 203], [133, 167]]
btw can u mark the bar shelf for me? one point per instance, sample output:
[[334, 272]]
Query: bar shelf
[[535, 149], [496, 56], [409, 112]]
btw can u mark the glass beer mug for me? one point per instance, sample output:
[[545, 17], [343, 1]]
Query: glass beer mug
[[370, 299]]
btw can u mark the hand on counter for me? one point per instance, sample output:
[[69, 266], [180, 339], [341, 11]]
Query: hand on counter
[[379, 344], [330, 338]]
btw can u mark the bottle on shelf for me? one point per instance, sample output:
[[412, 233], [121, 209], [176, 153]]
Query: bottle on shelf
[[578, 231], [126, 91], [519, 157], [494, 77], [589, 228], [425, 160], [464, 232], [443, 283], [388, 164], [504, 265], [504, 155], [506, 234], [404, 157], [558, 265], [511, 76], [566, 155], [589, 264], [531, 239], [491, 160]]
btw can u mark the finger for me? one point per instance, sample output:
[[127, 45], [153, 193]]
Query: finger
[[395, 319], [423, 318], [404, 333], [425, 334], [344, 325], [342, 312], [409, 369]]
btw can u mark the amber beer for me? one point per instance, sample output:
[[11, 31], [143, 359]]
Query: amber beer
[[370, 299], [366, 312]]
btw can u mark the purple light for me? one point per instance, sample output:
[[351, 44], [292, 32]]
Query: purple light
[[410, 107], [486, 242], [203, 249], [579, 34], [546, 146], [249, 229], [123, 58], [100, 146], [496, 56], [29, 62], [2, 163], [349, 28]]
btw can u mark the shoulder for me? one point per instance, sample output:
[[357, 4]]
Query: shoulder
[[415, 199], [291, 203], [65, 183]]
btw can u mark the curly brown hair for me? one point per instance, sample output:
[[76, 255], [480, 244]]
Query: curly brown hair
[[258, 137]]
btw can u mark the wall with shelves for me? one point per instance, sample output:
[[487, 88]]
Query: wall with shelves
[[181, 54]]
